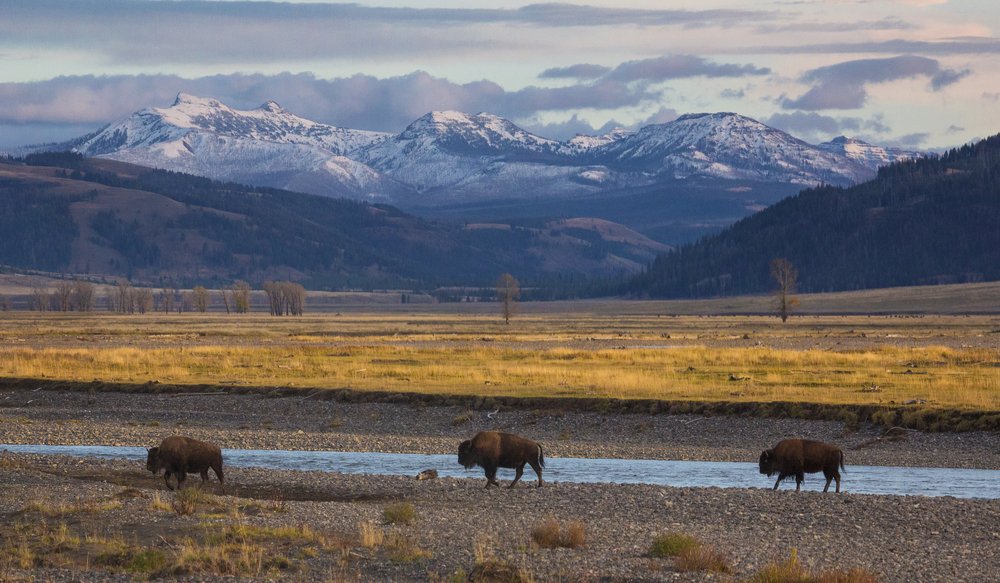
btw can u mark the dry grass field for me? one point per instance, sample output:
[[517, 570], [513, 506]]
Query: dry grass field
[[624, 350]]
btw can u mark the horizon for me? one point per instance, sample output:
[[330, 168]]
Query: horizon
[[917, 74]]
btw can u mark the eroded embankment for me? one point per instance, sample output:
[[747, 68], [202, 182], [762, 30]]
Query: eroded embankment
[[906, 416]]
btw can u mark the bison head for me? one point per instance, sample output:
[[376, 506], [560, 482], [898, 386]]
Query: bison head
[[466, 455], [767, 462], [151, 459]]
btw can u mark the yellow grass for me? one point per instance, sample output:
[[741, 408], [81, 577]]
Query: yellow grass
[[628, 354]]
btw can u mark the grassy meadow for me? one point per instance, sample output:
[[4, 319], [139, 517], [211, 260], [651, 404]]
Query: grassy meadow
[[623, 350]]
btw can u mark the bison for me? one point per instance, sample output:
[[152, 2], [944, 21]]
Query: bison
[[493, 449], [183, 455], [796, 457]]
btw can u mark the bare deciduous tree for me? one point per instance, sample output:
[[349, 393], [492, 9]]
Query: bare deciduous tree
[[123, 298], [40, 299], [168, 296], [508, 292], [63, 296], [84, 294], [285, 298], [786, 277], [241, 297], [144, 300], [4, 303], [200, 299]]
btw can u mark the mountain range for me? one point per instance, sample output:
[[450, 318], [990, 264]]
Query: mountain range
[[447, 159]]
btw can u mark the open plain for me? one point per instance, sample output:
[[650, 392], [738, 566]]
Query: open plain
[[301, 383]]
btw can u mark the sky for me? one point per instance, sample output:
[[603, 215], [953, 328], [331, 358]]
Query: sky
[[921, 74]]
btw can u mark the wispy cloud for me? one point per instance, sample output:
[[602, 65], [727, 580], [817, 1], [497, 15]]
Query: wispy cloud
[[843, 86]]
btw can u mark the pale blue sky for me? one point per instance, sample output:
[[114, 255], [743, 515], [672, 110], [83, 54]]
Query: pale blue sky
[[922, 73]]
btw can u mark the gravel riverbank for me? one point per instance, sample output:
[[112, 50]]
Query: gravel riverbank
[[897, 538], [261, 422]]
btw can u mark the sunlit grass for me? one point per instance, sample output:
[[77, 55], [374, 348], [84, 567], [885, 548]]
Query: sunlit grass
[[538, 355]]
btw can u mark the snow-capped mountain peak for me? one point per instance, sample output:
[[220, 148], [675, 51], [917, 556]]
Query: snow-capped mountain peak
[[865, 153], [480, 132]]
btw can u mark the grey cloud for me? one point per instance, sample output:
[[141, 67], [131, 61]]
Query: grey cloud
[[909, 140], [120, 30], [360, 101], [579, 71], [733, 93], [956, 46], [680, 66], [946, 77], [563, 130], [888, 23], [991, 96], [815, 127], [843, 86], [954, 129]]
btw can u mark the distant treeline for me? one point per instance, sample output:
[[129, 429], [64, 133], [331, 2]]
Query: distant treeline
[[927, 221]]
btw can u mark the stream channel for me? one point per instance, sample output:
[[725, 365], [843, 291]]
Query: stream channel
[[917, 481]]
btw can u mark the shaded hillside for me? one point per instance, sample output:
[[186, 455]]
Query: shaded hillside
[[925, 221], [61, 212]]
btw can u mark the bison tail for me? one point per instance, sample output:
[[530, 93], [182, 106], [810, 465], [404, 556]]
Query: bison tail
[[842, 461], [541, 457]]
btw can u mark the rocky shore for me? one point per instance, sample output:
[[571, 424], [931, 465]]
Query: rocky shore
[[262, 422], [456, 523]]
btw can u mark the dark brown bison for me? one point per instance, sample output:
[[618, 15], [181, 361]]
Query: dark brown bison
[[797, 457], [183, 455], [493, 449]]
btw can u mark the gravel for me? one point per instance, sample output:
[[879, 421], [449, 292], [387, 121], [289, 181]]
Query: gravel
[[897, 537]]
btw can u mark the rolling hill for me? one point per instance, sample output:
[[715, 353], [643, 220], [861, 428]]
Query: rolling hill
[[918, 222], [66, 213]]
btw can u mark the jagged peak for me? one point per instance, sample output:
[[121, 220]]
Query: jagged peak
[[272, 106]]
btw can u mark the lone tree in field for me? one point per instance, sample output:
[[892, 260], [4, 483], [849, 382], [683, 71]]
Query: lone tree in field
[[786, 277], [508, 292]]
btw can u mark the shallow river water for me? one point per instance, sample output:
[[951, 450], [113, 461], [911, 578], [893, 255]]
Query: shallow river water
[[960, 483]]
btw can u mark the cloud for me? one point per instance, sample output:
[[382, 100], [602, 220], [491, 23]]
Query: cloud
[[680, 66], [954, 46], [954, 129], [887, 23], [359, 101], [256, 33], [579, 71], [562, 130], [815, 127], [914, 140], [843, 86]]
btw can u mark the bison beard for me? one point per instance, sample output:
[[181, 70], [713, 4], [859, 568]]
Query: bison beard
[[797, 457], [492, 449]]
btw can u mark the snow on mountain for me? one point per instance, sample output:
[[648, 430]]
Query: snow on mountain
[[870, 155], [728, 145], [267, 146], [445, 148], [582, 143], [450, 156]]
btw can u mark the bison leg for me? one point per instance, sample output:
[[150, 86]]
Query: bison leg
[[517, 475], [218, 474], [780, 478], [166, 479], [491, 476], [181, 476], [538, 472], [204, 476], [837, 477], [799, 478], [827, 487]]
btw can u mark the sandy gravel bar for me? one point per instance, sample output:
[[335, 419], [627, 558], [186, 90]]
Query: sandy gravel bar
[[910, 539], [262, 422]]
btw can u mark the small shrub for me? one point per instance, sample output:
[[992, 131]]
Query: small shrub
[[701, 558], [672, 544], [146, 561], [497, 571], [792, 571], [158, 504], [371, 536], [400, 513], [186, 500], [463, 418], [401, 549], [550, 534]]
